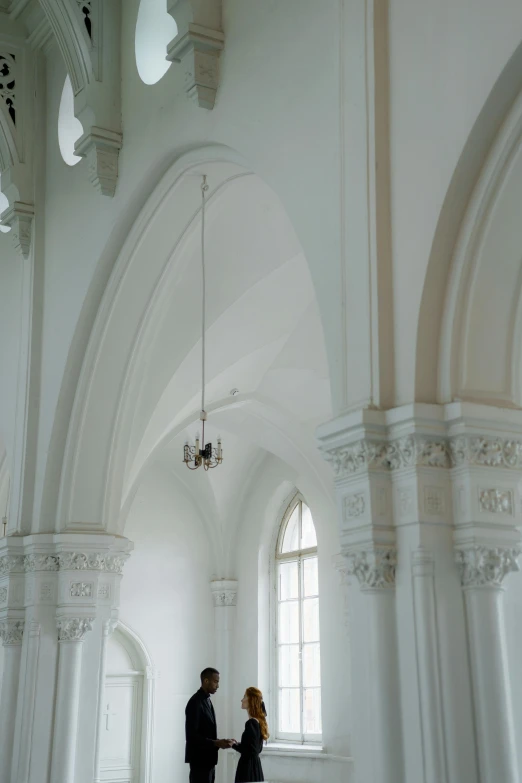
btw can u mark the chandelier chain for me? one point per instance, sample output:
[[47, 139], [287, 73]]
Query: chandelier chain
[[204, 188]]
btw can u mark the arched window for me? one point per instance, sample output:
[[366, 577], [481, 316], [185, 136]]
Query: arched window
[[298, 669]]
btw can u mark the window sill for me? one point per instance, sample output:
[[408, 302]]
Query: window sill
[[293, 749]]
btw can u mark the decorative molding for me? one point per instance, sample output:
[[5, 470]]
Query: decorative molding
[[73, 629], [488, 452], [354, 505], [46, 591], [198, 46], [104, 591], [11, 632], [405, 452], [40, 563], [93, 561], [420, 451], [496, 501], [481, 566], [81, 589], [224, 592], [374, 568], [10, 563]]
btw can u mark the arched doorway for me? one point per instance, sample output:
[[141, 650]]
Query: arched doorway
[[126, 718]]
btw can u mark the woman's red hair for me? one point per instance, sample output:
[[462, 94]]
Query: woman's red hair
[[256, 709]]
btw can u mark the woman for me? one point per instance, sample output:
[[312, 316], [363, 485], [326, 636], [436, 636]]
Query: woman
[[256, 730]]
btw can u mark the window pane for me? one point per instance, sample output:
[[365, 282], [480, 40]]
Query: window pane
[[288, 622], [289, 710], [312, 711], [310, 576], [309, 539], [288, 581], [311, 620], [291, 536], [289, 665], [311, 665]]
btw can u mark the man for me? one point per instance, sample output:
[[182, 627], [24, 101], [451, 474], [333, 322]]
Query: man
[[202, 745]]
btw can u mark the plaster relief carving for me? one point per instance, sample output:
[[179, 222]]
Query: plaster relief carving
[[104, 591], [3, 595], [410, 451], [8, 83], [12, 632], [81, 590], [405, 501], [73, 629], [225, 598], [480, 566], [496, 501], [489, 452], [374, 568], [41, 563], [10, 563], [46, 591], [354, 505], [434, 501]]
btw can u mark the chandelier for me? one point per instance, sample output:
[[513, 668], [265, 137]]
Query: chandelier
[[208, 456]]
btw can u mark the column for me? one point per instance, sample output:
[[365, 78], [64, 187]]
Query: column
[[71, 634], [224, 594], [482, 571], [11, 633], [374, 569], [108, 627], [428, 665]]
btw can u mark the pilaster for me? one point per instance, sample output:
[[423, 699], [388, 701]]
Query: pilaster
[[65, 588]]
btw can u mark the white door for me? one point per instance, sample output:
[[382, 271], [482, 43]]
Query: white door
[[121, 727]]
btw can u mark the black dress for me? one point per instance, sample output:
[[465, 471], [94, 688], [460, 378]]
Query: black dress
[[249, 768]]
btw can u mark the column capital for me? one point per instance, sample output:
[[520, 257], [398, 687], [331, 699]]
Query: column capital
[[374, 568], [11, 632], [73, 629], [224, 592], [480, 566]]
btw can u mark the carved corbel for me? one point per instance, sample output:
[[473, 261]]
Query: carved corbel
[[16, 143], [197, 46], [88, 34]]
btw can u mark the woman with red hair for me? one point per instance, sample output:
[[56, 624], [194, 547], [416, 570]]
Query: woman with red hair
[[249, 768]]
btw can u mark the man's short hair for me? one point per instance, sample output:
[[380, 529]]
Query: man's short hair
[[206, 674]]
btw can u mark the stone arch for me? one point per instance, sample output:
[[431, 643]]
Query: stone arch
[[452, 215], [127, 324]]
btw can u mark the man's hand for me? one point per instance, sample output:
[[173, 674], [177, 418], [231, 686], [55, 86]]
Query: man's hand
[[222, 744]]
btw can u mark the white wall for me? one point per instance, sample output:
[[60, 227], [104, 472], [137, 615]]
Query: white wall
[[166, 599]]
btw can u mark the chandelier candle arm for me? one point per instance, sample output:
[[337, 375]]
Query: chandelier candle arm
[[195, 456]]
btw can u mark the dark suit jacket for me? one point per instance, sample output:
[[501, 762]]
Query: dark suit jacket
[[200, 731]]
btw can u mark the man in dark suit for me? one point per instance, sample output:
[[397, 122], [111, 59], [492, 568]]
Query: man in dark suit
[[202, 745]]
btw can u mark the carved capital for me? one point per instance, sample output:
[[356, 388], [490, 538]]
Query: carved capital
[[73, 629], [11, 632], [480, 566], [101, 147], [374, 568], [224, 592]]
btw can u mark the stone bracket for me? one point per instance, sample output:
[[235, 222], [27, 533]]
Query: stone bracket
[[19, 217], [197, 46], [101, 148]]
